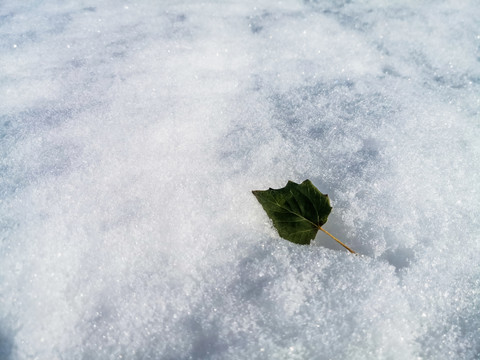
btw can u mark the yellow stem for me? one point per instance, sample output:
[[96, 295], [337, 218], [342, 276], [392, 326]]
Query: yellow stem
[[334, 238]]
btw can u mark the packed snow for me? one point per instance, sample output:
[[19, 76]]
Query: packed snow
[[133, 132]]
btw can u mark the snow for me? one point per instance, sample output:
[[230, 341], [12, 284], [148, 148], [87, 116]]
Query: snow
[[132, 134]]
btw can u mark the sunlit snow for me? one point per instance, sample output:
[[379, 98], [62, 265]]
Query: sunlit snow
[[132, 134]]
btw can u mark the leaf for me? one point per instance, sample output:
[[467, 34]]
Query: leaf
[[298, 211]]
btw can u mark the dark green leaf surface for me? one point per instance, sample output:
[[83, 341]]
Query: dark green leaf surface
[[297, 210]]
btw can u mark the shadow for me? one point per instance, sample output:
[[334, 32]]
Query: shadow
[[400, 258], [205, 339], [6, 347]]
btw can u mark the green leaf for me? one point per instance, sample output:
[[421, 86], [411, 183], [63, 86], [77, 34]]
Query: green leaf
[[297, 210]]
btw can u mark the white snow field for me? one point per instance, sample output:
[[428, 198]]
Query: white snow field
[[132, 134]]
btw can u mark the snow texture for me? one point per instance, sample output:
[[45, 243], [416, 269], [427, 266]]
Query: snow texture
[[132, 134]]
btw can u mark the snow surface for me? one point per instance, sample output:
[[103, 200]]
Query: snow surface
[[132, 134]]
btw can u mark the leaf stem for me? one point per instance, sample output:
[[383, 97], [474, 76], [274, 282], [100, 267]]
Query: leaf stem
[[334, 238]]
